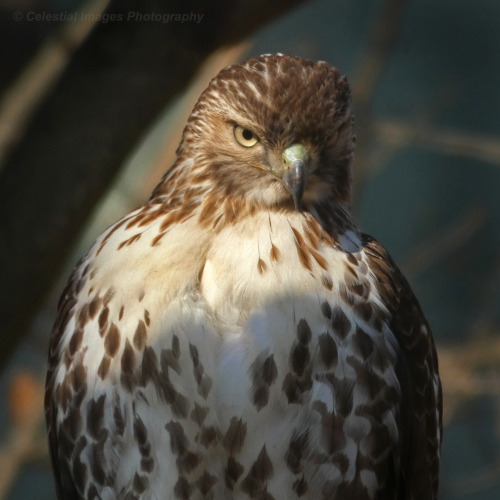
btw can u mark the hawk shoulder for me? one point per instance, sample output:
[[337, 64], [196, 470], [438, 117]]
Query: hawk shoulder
[[417, 370]]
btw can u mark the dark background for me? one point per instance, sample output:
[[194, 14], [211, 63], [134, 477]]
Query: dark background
[[91, 113]]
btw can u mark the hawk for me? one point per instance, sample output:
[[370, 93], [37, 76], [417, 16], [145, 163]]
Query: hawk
[[237, 336]]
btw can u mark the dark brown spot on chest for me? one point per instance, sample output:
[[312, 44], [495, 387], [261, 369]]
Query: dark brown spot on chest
[[103, 320], [274, 253], [112, 341], [340, 322], [128, 364], [261, 266], [261, 471], [140, 335], [264, 373], [234, 437], [95, 416], [302, 250], [297, 450], [327, 350]]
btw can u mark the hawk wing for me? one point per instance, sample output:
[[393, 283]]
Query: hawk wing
[[65, 487], [417, 371]]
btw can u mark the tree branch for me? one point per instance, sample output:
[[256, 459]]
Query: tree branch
[[384, 33]]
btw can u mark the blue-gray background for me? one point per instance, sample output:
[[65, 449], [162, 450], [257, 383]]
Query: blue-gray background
[[428, 188]]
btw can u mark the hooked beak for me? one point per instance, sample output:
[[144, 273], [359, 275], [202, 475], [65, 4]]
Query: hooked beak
[[295, 169]]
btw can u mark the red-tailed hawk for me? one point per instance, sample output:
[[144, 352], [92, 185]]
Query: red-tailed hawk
[[237, 336]]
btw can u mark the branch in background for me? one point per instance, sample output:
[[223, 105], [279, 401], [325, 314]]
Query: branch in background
[[20, 102], [116, 84], [468, 371], [26, 440], [466, 144], [437, 247], [384, 33]]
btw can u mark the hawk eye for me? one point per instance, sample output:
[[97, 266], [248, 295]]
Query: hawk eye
[[245, 136]]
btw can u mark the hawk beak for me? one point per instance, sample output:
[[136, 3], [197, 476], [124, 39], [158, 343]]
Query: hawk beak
[[294, 176]]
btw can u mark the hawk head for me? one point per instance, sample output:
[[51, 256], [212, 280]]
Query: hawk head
[[276, 131]]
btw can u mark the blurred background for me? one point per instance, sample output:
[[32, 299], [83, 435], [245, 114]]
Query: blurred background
[[93, 99]]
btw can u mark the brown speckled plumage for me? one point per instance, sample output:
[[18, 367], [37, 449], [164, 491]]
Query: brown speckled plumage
[[237, 336]]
